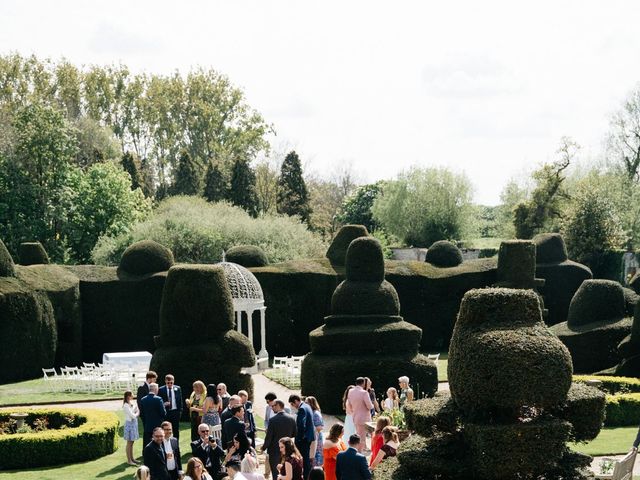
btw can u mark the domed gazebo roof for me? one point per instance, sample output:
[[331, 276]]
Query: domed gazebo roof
[[245, 288]]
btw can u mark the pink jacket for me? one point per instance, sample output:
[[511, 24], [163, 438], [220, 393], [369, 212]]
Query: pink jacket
[[361, 404]]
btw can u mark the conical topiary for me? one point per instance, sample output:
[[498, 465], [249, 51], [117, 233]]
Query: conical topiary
[[337, 251], [7, 268], [33, 253]]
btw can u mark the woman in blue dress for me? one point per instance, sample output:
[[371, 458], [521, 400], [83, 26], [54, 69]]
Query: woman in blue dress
[[131, 415], [318, 422]]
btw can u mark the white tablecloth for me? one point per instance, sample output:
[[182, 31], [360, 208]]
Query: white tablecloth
[[137, 359]]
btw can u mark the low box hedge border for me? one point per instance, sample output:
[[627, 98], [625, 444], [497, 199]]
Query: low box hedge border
[[94, 438], [622, 406], [611, 384]]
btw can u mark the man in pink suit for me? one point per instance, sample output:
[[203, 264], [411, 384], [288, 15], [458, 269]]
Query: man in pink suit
[[361, 404]]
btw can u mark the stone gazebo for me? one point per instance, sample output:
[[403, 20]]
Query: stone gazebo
[[247, 296]]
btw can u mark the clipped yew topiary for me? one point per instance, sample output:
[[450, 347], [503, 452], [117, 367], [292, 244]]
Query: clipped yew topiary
[[32, 253], [444, 254], [146, 257], [364, 335], [595, 301], [550, 248], [196, 340], [337, 251], [6, 262], [517, 264], [247, 255]]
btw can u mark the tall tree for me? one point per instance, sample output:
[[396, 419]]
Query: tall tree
[[215, 185], [624, 136], [356, 209], [130, 165], [243, 187], [293, 197], [187, 180]]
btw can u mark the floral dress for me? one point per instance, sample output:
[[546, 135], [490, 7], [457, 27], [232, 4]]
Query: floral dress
[[318, 422]]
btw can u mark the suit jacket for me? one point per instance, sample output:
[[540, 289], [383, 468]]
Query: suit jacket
[[175, 446], [154, 412], [143, 391], [248, 417], [361, 404], [306, 431], [177, 391], [280, 425], [215, 456], [351, 465], [233, 426], [156, 459]]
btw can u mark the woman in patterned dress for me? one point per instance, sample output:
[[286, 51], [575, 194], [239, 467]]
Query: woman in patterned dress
[[131, 415]]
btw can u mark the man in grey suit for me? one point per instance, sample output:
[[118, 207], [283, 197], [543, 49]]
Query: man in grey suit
[[281, 425]]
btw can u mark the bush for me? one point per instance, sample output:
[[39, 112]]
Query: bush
[[502, 356], [6, 262], [596, 301], [487, 252], [32, 253], [622, 410], [439, 413], [247, 255], [29, 330], [550, 248], [517, 264], [145, 257], [337, 251], [443, 254], [437, 456], [612, 385], [94, 437], [584, 409], [365, 298], [198, 232], [364, 260]]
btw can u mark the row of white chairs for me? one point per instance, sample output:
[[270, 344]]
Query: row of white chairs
[[91, 377], [287, 370]]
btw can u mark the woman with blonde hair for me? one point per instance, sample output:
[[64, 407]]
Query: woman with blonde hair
[[377, 440], [195, 403], [392, 402], [390, 447], [248, 468], [195, 470], [142, 473]]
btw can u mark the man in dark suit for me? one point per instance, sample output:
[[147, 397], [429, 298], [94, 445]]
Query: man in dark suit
[[154, 412], [249, 420], [172, 397], [351, 465], [172, 451], [143, 391], [226, 413], [155, 457], [207, 450], [235, 426], [306, 431], [281, 425]]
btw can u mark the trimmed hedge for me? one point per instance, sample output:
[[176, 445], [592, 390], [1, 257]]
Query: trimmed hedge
[[431, 457], [443, 254], [120, 312], [337, 251], [95, 437], [327, 377], [516, 450], [550, 248], [439, 413], [584, 409], [364, 261], [146, 256], [6, 262], [365, 298], [561, 282], [612, 385], [247, 255], [32, 253], [28, 328], [62, 288], [517, 264], [502, 356], [596, 301], [622, 410]]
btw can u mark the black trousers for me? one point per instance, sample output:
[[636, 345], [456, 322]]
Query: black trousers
[[173, 416], [303, 446]]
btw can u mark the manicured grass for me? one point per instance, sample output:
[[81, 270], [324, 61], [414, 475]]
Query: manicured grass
[[34, 392], [480, 243], [611, 441], [443, 362]]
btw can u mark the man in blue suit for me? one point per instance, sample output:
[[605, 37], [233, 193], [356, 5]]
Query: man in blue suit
[[171, 395], [306, 431], [351, 465], [154, 412]]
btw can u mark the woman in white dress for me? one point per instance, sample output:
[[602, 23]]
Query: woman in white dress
[[349, 426]]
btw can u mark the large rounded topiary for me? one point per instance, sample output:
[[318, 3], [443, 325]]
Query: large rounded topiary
[[7, 268], [33, 253], [145, 257], [550, 248], [502, 356], [595, 301], [248, 256], [337, 251], [444, 254]]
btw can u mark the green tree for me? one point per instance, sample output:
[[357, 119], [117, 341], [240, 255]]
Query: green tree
[[187, 180], [100, 202], [293, 197], [243, 187], [130, 165], [624, 136], [215, 188], [95, 142], [267, 185], [425, 205], [356, 209]]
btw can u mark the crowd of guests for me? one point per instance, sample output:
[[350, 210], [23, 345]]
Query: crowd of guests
[[223, 433]]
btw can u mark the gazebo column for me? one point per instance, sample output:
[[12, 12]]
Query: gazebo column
[[250, 325], [263, 335], [238, 321]]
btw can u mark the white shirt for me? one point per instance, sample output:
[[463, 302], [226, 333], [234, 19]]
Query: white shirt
[[171, 462], [172, 396], [130, 411]]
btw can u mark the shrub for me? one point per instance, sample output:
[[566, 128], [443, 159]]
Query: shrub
[[32, 253], [94, 437], [6, 262], [622, 410], [517, 264], [584, 409], [550, 248], [337, 251], [198, 232], [364, 260], [439, 455], [595, 301], [247, 255], [145, 257], [444, 254], [612, 385], [436, 414], [487, 252], [365, 298]]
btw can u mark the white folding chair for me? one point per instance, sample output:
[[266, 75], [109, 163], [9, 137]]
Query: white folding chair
[[434, 356], [52, 378]]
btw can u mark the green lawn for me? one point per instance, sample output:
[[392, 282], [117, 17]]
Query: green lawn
[[33, 392], [610, 441], [480, 243]]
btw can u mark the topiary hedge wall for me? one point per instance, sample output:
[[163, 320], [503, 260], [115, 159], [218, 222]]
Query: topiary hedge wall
[[94, 437]]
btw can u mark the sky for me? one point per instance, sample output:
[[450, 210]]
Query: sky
[[485, 88]]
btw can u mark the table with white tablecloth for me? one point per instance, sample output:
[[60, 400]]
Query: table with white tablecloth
[[137, 360]]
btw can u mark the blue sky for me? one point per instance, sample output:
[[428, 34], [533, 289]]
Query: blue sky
[[486, 88]]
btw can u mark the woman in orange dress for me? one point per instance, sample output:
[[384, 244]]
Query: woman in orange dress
[[377, 441], [332, 446]]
